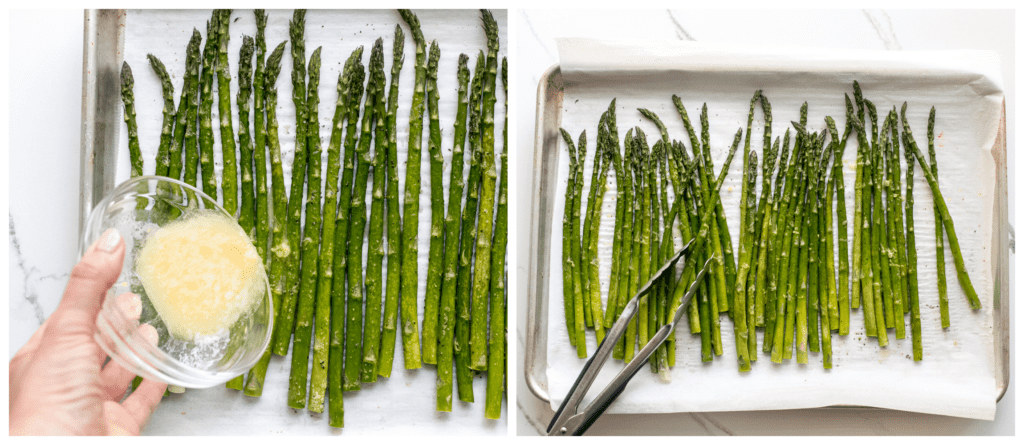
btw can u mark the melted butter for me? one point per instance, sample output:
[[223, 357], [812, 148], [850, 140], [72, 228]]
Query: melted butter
[[201, 273]]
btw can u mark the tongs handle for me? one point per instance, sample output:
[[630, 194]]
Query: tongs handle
[[566, 421]]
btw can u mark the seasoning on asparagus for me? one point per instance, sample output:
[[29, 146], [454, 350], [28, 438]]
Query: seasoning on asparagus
[[339, 316], [389, 329], [357, 224], [410, 228], [464, 375], [163, 157], [481, 281], [254, 382], [285, 322], [496, 341], [280, 246], [206, 106], [304, 318], [740, 303], [446, 317], [323, 364], [375, 238], [247, 213], [177, 147], [188, 116], [128, 98], [229, 177], [433, 294]]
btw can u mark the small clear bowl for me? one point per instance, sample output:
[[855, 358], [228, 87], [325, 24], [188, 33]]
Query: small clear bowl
[[137, 208]]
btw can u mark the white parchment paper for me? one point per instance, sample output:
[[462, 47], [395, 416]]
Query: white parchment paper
[[405, 404], [956, 377]]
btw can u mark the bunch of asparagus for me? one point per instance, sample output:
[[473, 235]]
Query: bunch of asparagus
[[792, 275], [351, 343]]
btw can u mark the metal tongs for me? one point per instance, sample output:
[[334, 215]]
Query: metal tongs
[[568, 421]]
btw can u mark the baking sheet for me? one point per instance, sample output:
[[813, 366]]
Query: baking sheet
[[407, 404], [957, 375]]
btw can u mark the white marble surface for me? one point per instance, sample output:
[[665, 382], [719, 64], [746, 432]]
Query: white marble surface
[[46, 80], [847, 29]]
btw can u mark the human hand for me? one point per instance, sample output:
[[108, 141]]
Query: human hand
[[58, 383]]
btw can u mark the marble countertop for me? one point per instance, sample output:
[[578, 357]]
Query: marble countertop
[[843, 29]]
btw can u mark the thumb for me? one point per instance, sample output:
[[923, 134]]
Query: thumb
[[93, 276]]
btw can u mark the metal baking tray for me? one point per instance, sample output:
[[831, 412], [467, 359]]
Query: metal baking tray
[[103, 52], [545, 183]]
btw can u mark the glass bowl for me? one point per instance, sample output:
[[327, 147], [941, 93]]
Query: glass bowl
[[137, 208]]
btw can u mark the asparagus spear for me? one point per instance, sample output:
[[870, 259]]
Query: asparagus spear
[[585, 242], [188, 114], [901, 237], [880, 218], [644, 270], [594, 297], [340, 318], [478, 329], [773, 248], [254, 383], [163, 157], [746, 160], [496, 352], [285, 322], [815, 262], [128, 98], [858, 205], [861, 234], [280, 246], [323, 362], [895, 210], [464, 375], [915, 305], [947, 220], [763, 212], [229, 177], [504, 198], [627, 253], [617, 244], [177, 144], [410, 228], [389, 330], [940, 254], [357, 224], [206, 106], [247, 212], [763, 304], [375, 239], [721, 245], [304, 318], [843, 290], [433, 294], [783, 238], [874, 250], [740, 303], [826, 245], [721, 295], [795, 240], [654, 298], [446, 322]]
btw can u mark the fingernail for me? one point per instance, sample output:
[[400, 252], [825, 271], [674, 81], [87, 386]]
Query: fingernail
[[109, 239]]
